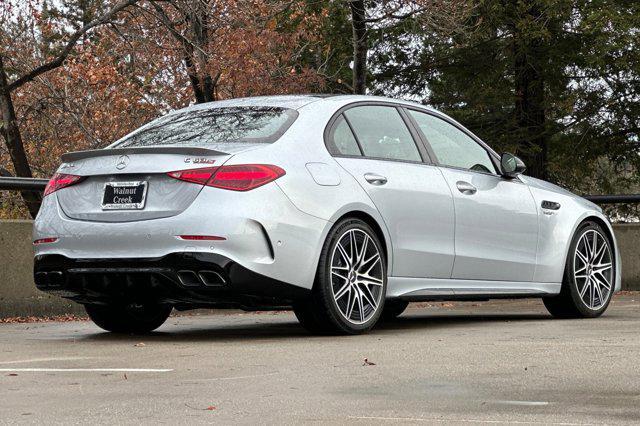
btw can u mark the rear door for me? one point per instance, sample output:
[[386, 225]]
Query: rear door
[[496, 219], [375, 145]]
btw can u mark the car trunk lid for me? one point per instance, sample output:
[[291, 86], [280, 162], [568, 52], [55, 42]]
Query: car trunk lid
[[141, 173]]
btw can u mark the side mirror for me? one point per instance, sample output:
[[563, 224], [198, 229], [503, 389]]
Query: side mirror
[[511, 165]]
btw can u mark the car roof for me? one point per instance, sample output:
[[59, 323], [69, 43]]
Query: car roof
[[284, 101], [298, 101]]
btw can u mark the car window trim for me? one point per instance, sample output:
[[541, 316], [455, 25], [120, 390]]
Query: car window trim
[[422, 152], [425, 154], [332, 134], [353, 133], [493, 156], [421, 136]]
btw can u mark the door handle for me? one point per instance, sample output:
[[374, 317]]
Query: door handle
[[466, 188], [375, 179]]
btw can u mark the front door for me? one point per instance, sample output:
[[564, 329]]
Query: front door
[[496, 225]]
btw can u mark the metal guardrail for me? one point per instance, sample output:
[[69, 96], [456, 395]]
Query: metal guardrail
[[614, 199], [31, 184], [22, 184]]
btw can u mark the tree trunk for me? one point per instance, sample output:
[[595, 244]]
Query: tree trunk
[[530, 113], [199, 24], [13, 140], [360, 46], [192, 72]]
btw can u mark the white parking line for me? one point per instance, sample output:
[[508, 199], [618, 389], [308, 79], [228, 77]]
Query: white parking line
[[526, 403], [86, 370]]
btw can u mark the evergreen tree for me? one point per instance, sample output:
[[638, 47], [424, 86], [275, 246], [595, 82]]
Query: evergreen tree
[[555, 81]]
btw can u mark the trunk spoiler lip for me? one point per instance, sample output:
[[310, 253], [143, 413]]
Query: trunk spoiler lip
[[81, 155]]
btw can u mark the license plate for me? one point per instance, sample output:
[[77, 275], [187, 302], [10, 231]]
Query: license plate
[[124, 195]]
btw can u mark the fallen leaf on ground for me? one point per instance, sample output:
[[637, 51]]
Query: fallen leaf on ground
[[12, 374], [30, 319], [209, 408], [367, 362]]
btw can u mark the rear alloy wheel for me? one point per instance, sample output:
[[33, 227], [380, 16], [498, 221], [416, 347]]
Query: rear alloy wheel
[[129, 319], [350, 287], [589, 276]]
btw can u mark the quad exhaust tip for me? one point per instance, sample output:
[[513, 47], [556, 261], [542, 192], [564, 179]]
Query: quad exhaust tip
[[49, 279], [197, 279]]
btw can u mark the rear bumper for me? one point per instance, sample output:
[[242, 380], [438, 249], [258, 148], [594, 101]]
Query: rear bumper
[[264, 233], [185, 280]]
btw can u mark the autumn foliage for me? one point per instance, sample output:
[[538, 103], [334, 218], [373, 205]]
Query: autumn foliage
[[140, 66]]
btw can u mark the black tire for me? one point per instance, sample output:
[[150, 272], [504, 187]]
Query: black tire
[[393, 309], [569, 303], [321, 313], [306, 316], [129, 319]]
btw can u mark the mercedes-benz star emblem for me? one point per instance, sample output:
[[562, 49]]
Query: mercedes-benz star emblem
[[123, 162]]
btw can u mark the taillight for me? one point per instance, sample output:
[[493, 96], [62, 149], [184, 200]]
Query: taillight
[[239, 177], [244, 177], [201, 238], [48, 240], [201, 176], [59, 181]]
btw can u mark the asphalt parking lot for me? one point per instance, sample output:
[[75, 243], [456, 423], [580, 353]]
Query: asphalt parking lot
[[466, 363]]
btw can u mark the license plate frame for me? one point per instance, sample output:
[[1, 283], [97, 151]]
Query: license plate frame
[[135, 204]]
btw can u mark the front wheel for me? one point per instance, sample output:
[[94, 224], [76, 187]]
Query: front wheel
[[589, 277], [130, 319], [351, 283]]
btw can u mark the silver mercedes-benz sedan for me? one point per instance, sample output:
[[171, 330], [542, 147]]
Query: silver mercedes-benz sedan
[[344, 208]]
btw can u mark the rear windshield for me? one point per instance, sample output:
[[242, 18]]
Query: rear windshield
[[202, 128]]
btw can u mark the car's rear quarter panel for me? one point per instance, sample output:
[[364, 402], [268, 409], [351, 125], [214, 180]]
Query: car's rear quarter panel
[[302, 145]]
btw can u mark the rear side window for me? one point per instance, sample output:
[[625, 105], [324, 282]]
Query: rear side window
[[202, 128], [382, 133], [342, 139]]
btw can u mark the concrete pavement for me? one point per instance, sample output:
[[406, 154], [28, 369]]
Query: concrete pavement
[[464, 363]]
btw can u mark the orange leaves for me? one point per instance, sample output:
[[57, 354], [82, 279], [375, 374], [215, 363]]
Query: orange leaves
[[123, 75], [251, 46], [271, 24]]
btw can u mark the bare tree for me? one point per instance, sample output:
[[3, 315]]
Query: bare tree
[[360, 45], [10, 130], [440, 15], [188, 22], [197, 26]]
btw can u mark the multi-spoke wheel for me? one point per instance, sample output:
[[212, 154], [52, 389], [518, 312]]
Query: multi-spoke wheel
[[589, 276], [356, 276], [350, 286], [593, 269]]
